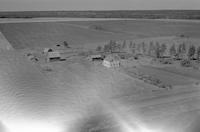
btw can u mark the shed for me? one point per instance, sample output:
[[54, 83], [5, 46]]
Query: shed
[[95, 57]]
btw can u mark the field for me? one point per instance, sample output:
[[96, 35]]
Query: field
[[82, 34], [144, 14], [83, 96]]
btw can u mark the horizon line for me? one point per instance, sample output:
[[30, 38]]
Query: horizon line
[[101, 10]]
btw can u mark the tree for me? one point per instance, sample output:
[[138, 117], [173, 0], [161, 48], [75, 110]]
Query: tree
[[119, 47], [99, 48], [134, 45], [124, 44], [134, 48], [181, 50], [151, 48], [130, 45], [143, 47], [106, 48], [191, 52], [198, 54], [172, 50], [138, 48], [163, 49], [158, 50], [112, 45]]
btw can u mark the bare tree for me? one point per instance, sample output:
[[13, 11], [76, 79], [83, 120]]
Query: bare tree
[[143, 48], [119, 47], [163, 49], [158, 50], [181, 50], [124, 44], [130, 45], [191, 52], [198, 54], [151, 48], [172, 50], [106, 48]]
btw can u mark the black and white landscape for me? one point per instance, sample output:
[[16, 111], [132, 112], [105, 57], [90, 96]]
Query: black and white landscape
[[100, 70]]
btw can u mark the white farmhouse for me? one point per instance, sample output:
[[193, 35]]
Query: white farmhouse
[[47, 50], [53, 56], [111, 61]]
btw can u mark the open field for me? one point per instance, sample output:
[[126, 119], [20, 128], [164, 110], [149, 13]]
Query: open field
[[29, 35], [82, 34], [78, 91]]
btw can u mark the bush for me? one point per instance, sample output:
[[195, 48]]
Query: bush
[[186, 63]]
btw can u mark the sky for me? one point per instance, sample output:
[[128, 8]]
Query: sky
[[42, 5]]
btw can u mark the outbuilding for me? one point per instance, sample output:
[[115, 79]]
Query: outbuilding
[[97, 57]]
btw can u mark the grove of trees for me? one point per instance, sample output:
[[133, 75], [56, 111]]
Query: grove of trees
[[154, 49]]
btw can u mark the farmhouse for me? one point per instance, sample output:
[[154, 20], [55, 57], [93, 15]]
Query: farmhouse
[[53, 56], [46, 50], [111, 61]]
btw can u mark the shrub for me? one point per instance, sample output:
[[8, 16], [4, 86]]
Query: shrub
[[191, 52]]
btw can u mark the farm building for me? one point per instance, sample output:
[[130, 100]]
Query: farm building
[[53, 56], [95, 57], [56, 48], [111, 61], [46, 50]]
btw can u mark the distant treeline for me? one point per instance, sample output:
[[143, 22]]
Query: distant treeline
[[144, 14]]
